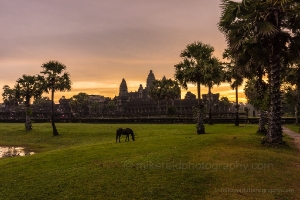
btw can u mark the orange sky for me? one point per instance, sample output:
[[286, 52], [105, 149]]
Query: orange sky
[[102, 42]]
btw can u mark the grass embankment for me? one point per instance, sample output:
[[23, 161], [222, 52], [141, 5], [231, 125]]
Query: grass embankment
[[165, 162]]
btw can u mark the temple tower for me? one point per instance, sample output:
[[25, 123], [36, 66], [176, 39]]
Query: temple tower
[[123, 89], [140, 91], [150, 79]]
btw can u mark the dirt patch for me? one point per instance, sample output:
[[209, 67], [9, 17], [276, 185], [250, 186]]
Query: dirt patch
[[294, 135]]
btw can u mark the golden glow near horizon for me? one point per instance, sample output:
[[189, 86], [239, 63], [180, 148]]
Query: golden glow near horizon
[[102, 42], [113, 90]]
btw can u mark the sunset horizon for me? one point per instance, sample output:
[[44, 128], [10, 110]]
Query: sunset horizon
[[103, 42]]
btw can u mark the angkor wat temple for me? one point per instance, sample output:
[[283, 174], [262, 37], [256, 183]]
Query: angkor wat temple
[[140, 103], [126, 104]]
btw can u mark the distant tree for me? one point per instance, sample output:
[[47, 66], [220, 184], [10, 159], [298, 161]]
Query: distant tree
[[256, 92], [213, 75], [55, 79], [293, 92], [42, 103], [291, 97], [9, 96], [26, 88], [111, 106], [156, 92], [191, 70], [164, 89], [94, 107], [190, 95], [171, 91], [224, 101], [80, 103], [234, 74]]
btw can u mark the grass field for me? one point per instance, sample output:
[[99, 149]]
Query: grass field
[[165, 162]]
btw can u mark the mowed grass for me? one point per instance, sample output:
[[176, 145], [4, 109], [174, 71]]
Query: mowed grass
[[165, 162]]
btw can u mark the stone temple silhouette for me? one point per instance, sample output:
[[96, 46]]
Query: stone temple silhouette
[[140, 103]]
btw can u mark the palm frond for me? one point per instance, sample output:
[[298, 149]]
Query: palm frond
[[265, 28]]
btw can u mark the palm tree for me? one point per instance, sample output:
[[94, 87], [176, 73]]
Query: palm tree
[[236, 80], [9, 97], [213, 75], [26, 88], [274, 25], [54, 81], [191, 70], [234, 75]]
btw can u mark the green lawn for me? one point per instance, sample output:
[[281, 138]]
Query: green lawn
[[165, 162]]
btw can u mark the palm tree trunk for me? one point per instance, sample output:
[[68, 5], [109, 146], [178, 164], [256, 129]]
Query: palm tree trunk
[[55, 133], [237, 123], [274, 134], [200, 114], [209, 104], [263, 121], [28, 125], [198, 92]]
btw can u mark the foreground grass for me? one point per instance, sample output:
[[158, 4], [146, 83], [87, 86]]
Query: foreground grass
[[165, 162]]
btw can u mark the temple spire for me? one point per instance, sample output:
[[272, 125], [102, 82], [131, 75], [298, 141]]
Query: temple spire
[[123, 88], [150, 79]]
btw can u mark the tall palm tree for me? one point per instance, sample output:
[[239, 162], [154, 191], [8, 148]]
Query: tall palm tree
[[273, 24], [213, 75], [234, 75], [26, 88], [235, 78], [191, 70], [55, 79]]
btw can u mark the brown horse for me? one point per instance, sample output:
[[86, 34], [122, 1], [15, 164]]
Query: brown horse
[[127, 132]]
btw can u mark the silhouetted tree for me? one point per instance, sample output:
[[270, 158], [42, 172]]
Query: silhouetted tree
[[273, 25], [26, 88], [55, 79], [191, 70]]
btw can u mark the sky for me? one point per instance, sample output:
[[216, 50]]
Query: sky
[[101, 42]]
